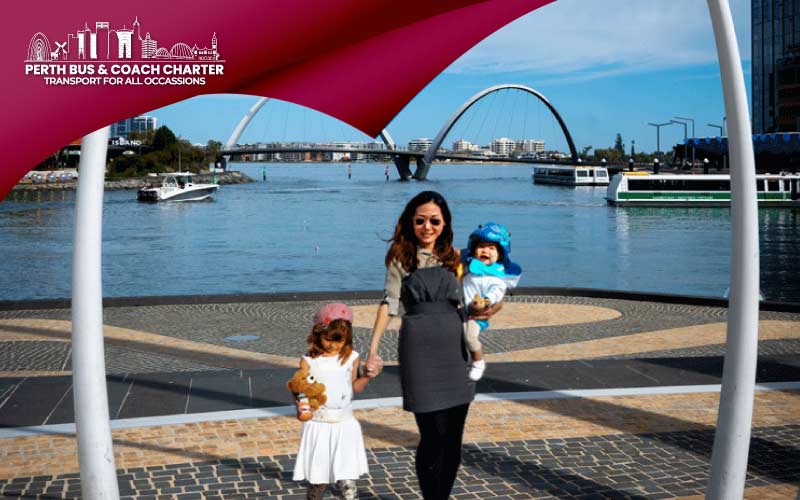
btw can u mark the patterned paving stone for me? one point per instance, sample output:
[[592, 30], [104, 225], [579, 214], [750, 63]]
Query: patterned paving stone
[[765, 348], [659, 465], [57, 356], [120, 360], [646, 466], [48, 356]]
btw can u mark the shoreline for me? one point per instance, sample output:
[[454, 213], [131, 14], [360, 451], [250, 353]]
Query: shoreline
[[227, 177], [376, 295]]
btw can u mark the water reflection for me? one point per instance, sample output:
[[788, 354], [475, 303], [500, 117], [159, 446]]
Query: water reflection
[[40, 195]]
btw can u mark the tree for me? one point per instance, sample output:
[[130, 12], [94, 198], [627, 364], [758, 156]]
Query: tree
[[611, 155], [584, 151], [213, 148], [619, 145], [164, 138], [145, 136]]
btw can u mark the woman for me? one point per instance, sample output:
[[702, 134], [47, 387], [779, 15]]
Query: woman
[[421, 273]]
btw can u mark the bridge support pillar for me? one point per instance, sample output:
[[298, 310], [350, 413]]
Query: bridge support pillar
[[422, 169], [401, 162]]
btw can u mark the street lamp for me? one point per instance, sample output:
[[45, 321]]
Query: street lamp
[[658, 134], [685, 138], [694, 136], [722, 134]]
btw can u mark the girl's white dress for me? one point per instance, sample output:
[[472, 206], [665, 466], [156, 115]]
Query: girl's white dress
[[331, 452]]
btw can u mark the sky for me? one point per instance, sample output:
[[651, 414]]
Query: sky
[[608, 67]]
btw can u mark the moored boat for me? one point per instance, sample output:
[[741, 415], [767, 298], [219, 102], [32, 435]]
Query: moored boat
[[176, 186], [687, 190], [570, 175]]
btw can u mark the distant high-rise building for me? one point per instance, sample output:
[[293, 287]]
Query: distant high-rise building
[[423, 144], [502, 146], [529, 146], [462, 146], [142, 123], [776, 66]]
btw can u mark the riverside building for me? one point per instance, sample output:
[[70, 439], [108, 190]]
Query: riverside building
[[530, 146], [462, 146], [776, 66], [502, 146], [422, 145], [140, 123]]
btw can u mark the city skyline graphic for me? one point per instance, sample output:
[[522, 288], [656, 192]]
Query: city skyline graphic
[[85, 45]]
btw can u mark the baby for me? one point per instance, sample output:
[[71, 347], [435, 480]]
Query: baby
[[489, 274]]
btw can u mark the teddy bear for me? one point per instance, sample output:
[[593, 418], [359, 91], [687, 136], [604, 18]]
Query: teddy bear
[[305, 387], [479, 304]]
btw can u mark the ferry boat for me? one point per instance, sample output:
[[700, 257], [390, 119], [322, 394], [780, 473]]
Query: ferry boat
[[668, 190], [176, 186], [571, 175]]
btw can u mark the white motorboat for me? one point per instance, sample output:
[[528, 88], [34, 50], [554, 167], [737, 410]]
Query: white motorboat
[[176, 186]]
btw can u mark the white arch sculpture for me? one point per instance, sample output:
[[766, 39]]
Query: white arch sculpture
[[732, 437]]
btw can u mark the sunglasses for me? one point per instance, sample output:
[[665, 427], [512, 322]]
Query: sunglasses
[[336, 337], [420, 221]]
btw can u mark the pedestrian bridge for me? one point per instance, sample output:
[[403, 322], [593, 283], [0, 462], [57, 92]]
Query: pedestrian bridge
[[402, 157]]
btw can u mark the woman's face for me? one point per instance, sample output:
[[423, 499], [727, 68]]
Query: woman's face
[[428, 224]]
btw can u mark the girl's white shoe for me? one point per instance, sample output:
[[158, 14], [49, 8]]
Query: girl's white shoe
[[476, 372]]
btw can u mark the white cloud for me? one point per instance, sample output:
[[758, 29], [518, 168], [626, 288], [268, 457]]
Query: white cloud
[[594, 38]]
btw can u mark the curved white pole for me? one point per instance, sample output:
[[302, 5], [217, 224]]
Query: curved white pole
[[237, 132], [732, 438], [95, 452], [387, 139]]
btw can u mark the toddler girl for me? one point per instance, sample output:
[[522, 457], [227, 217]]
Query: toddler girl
[[331, 446]]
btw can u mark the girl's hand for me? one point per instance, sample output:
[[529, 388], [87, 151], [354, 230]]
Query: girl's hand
[[486, 313], [373, 366]]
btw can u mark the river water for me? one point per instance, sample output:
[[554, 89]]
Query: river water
[[310, 228]]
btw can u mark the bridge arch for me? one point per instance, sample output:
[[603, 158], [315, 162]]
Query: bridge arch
[[425, 163], [248, 117]]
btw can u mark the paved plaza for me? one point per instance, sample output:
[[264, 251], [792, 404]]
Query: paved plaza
[[601, 396]]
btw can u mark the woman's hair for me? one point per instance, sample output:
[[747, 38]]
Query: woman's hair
[[337, 327], [404, 241]]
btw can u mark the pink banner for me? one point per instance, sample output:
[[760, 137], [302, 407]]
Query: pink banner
[[73, 68]]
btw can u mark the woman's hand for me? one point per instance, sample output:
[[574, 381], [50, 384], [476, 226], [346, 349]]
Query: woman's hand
[[486, 313], [374, 363], [373, 366]]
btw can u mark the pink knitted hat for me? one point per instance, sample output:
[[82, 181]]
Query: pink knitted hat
[[330, 312]]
